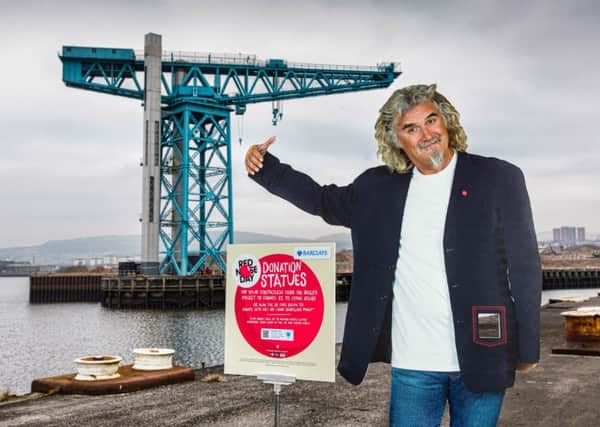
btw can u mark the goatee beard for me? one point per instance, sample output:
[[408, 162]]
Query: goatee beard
[[436, 158]]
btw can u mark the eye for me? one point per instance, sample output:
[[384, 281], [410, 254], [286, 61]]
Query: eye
[[431, 120], [411, 129]]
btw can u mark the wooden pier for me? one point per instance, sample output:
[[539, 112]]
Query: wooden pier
[[206, 291], [343, 282], [164, 292], [571, 279], [64, 288], [139, 291]]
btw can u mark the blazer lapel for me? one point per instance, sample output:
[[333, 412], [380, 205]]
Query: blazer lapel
[[458, 198], [399, 191]]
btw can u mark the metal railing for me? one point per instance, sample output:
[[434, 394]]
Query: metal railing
[[252, 60]]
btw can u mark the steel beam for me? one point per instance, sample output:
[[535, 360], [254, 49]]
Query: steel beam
[[196, 219]]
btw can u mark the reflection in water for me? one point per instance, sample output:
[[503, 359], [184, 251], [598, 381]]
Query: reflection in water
[[43, 340]]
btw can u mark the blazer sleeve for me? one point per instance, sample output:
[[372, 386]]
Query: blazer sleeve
[[523, 262], [330, 202]]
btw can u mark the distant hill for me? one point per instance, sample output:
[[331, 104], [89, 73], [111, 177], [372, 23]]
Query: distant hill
[[64, 252]]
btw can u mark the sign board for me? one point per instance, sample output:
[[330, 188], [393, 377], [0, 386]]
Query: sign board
[[280, 310]]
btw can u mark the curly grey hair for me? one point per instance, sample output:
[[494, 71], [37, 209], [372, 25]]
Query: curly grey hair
[[388, 146]]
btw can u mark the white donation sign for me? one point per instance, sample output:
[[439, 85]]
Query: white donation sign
[[280, 310]]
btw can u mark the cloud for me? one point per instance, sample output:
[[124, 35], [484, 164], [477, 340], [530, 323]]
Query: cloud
[[521, 74]]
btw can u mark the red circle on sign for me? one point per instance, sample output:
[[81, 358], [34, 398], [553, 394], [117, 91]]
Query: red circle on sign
[[282, 313]]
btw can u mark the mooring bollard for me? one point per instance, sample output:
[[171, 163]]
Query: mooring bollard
[[95, 368], [153, 359], [583, 324]]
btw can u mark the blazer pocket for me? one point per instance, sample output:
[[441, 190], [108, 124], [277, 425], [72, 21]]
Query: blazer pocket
[[489, 325]]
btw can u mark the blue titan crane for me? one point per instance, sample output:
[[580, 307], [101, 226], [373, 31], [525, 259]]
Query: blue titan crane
[[188, 99]]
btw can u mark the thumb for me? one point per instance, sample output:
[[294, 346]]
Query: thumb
[[265, 145]]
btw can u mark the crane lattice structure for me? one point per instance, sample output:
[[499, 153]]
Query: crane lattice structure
[[188, 99]]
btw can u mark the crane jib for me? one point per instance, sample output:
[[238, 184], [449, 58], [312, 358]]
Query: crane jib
[[188, 97]]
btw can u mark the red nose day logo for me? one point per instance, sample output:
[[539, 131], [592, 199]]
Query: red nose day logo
[[247, 271]]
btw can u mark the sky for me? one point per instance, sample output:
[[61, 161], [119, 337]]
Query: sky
[[524, 76]]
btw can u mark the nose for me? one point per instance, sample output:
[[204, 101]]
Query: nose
[[427, 133]]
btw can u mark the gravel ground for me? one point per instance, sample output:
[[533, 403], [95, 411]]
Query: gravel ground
[[561, 391]]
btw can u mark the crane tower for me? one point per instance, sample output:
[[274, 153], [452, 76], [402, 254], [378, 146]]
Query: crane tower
[[187, 210]]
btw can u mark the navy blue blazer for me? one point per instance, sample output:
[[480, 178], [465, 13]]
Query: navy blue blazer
[[491, 256]]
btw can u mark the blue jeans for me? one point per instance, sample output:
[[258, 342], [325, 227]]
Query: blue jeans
[[418, 398]]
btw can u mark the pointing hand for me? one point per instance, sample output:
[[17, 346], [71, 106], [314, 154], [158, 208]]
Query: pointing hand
[[255, 155]]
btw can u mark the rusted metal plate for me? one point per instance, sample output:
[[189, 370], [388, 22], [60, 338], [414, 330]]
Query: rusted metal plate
[[128, 381], [589, 348]]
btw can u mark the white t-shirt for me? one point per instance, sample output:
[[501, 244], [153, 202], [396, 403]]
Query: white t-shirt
[[422, 324]]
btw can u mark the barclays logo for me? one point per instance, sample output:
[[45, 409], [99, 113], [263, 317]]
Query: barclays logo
[[313, 253]]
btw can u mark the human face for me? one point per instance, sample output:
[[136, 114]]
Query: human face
[[423, 136]]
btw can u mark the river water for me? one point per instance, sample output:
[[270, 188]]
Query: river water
[[42, 340]]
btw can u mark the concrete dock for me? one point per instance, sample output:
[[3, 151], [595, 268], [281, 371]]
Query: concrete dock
[[561, 391]]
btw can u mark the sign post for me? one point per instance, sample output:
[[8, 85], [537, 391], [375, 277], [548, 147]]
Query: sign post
[[280, 313], [277, 381]]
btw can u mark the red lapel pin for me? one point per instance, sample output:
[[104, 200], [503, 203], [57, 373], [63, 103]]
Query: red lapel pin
[[464, 193]]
